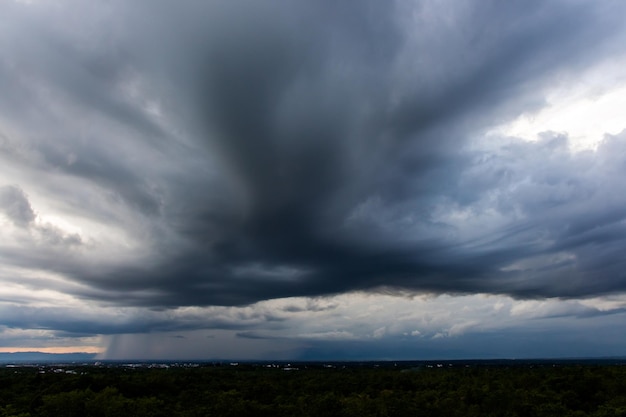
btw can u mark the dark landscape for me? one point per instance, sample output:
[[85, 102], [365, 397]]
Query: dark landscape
[[571, 387]]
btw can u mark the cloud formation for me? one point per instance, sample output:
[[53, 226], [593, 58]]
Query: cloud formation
[[222, 154], [15, 205]]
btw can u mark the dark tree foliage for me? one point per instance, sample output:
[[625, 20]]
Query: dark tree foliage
[[250, 390]]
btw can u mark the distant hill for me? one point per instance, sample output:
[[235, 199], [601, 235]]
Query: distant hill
[[41, 357]]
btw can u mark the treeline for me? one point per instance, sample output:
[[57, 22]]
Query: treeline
[[359, 392]]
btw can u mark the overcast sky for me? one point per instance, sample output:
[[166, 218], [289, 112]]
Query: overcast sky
[[313, 179]]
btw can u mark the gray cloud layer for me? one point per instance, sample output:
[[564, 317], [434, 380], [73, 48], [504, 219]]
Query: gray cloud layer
[[267, 150], [15, 205]]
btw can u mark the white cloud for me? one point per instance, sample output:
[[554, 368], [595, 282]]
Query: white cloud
[[286, 330], [379, 333], [330, 335], [585, 108]]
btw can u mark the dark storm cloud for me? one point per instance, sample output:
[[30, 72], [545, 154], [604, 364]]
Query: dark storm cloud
[[318, 140], [571, 228], [70, 324]]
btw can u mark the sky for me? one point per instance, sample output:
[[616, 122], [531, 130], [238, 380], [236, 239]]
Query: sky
[[313, 180]]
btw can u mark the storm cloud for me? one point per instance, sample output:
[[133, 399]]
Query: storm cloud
[[225, 153]]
